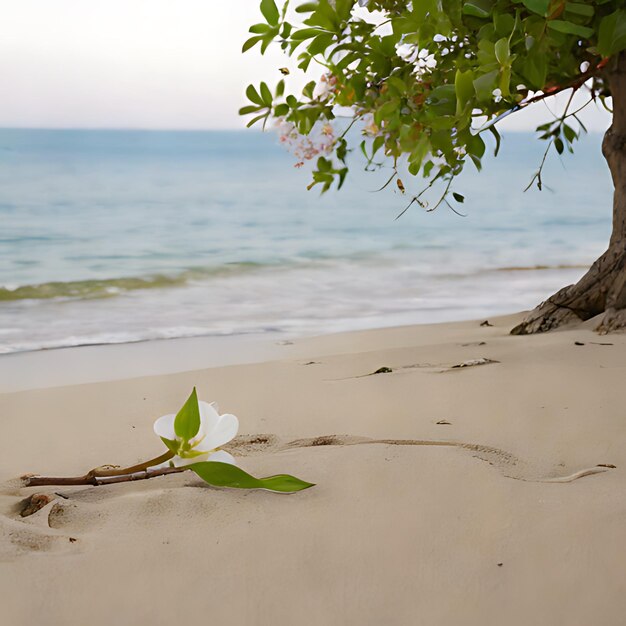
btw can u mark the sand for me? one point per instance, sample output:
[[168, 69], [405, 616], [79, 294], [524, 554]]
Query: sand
[[501, 525]]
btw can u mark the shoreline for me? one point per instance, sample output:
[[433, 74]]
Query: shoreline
[[91, 363]]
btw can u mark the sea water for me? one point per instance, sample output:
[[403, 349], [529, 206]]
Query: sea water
[[119, 236]]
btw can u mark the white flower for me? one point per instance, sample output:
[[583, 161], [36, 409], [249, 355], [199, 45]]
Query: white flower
[[325, 87], [369, 126], [215, 431]]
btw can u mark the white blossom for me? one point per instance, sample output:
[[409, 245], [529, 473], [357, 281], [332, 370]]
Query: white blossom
[[215, 431]]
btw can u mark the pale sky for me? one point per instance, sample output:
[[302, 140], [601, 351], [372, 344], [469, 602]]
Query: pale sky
[[173, 64]]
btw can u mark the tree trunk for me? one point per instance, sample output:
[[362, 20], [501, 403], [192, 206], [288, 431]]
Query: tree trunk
[[602, 290]]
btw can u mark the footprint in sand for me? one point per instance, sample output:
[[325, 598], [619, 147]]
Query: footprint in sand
[[33, 534]]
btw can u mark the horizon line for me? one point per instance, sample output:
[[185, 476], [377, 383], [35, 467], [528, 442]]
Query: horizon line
[[129, 128], [121, 129]]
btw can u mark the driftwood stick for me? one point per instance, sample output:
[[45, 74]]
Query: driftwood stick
[[90, 479], [104, 475], [107, 470]]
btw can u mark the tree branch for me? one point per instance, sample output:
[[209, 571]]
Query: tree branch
[[575, 84]]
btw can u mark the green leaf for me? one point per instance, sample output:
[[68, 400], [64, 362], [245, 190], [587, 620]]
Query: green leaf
[[171, 445], [535, 70], [503, 54], [476, 146], [418, 154], [266, 95], [504, 23], [342, 149], [478, 8], [270, 11], [342, 177], [537, 6], [250, 43], [259, 29], [325, 16], [306, 33], [577, 8], [397, 85], [458, 197], [343, 8], [494, 131], [187, 420], [485, 85], [612, 33], [505, 81], [249, 109], [476, 161], [324, 165], [281, 109], [570, 28], [558, 144], [227, 475], [388, 108], [320, 43], [305, 60], [442, 100], [254, 120], [570, 134], [267, 40], [464, 88], [363, 149], [253, 95], [377, 144], [307, 7], [307, 90]]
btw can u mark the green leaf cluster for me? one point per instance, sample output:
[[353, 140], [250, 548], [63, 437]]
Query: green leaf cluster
[[433, 75]]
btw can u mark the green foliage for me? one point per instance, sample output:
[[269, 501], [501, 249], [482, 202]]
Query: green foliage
[[226, 475], [428, 77], [612, 33], [187, 421]]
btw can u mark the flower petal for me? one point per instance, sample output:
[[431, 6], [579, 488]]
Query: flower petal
[[221, 456], [209, 417], [164, 427], [222, 433]]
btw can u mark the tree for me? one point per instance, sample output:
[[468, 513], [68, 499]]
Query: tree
[[428, 79]]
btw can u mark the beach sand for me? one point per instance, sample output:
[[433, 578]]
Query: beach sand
[[491, 528]]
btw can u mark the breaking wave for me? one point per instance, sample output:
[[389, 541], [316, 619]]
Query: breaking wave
[[108, 287]]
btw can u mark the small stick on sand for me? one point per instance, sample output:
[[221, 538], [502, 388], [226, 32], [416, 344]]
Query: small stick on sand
[[96, 481]]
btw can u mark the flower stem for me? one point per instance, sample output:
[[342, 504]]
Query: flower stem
[[133, 469]]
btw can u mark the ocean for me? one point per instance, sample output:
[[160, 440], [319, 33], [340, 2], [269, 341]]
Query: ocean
[[121, 236]]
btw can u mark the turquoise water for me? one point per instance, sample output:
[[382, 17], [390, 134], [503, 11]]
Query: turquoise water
[[112, 236]]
